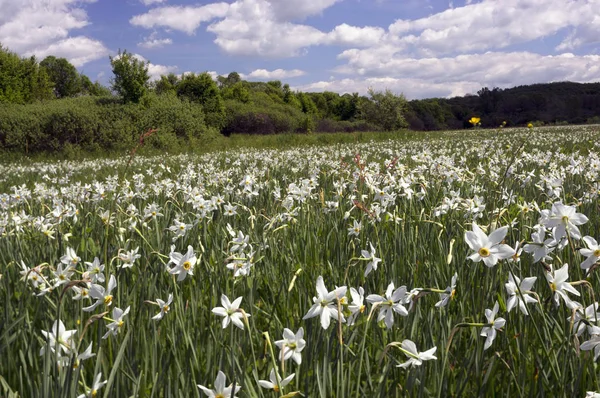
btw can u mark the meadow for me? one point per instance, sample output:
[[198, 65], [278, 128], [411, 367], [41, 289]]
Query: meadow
[[449, 264]]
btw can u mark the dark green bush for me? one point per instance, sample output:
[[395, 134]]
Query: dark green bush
[[260, 118], [101, 123]]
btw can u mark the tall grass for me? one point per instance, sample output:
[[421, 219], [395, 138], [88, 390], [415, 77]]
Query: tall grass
[[293, 242]]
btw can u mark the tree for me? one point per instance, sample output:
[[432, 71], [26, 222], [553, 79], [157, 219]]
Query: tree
[[94, 89], [131, 76], [203, 89], [384, 109], [22, 80], [63, 74], [166, 84]]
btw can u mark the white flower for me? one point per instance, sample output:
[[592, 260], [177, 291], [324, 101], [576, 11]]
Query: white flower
[[117, 321], [593, 343], [563, 220], [70, 258], [488, 248], [489, 332], [357, 306], [540, 247], [415, 358], [95, 271], [101, 295], [164, 307], [355, 228], [184, 264], [373, 261], [589, 314], [129, 257], [272, 383], [392, 302], [516, 298], [325, 304], [230, 312], [559, 285], [220, 390], [448, 293], [591, 254], [93, 392], [60, 337], [291, 345]]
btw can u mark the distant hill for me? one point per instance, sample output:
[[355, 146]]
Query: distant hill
[[549, 103]]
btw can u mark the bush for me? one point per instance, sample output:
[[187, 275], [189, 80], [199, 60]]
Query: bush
[[344, 126], [257, 118], [101, 123]]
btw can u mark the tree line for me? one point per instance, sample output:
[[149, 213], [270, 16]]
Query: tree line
[[48, 106]]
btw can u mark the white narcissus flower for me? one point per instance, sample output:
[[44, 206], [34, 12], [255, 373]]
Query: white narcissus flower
[[291, 345], [488, 248], [357, 305], [325, 304], [164, 307], [101, 295], [373, 261], [560, 286], [184, 263], [490, 332], [117, 321], [60, 337], [392, 302], [272, 383], [230, 312], [589, 314], [563, 220], [591, 254], [220, 390], [355, 228], [128, 258], [448, 293], [593, 343], [513, 286], [70, 258], [415, 358], [539, 247], [93, 392]]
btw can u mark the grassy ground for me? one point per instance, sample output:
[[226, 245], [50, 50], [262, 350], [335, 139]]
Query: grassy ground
[[265, 220]]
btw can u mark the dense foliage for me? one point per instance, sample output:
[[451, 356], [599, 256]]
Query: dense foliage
[[552, 103], [459, 264]]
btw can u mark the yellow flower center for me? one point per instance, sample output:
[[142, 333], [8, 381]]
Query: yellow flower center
[[553, 286], [187, 265], [219, 396], [165, 308], [120, 323], [94, 393], [153, 214], [108, 300], [362, 309], [596, 253], [484, 252], [565, 219], [276, 388]]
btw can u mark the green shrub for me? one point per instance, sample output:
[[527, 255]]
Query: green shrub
[[101, 123]]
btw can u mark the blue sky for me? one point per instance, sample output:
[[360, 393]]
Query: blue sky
[[422, 48]]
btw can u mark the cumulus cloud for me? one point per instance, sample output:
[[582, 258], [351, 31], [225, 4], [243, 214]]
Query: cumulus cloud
[[40, 28], [154, 70], [452, 76], [151, 2], [490, 24], [185, 19], [277, 74], [153, 41]]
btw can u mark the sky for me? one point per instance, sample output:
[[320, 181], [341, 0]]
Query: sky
[[421, 48]]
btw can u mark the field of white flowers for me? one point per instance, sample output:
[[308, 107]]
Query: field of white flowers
[[463, 264]]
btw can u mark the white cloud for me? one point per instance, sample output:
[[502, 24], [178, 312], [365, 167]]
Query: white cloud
[[151, 2], [186, 19], [452, 76], [346, 35], [40, 28], [153, 41], [277, 74], [78, 50], [490, 24], [290, 10]]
